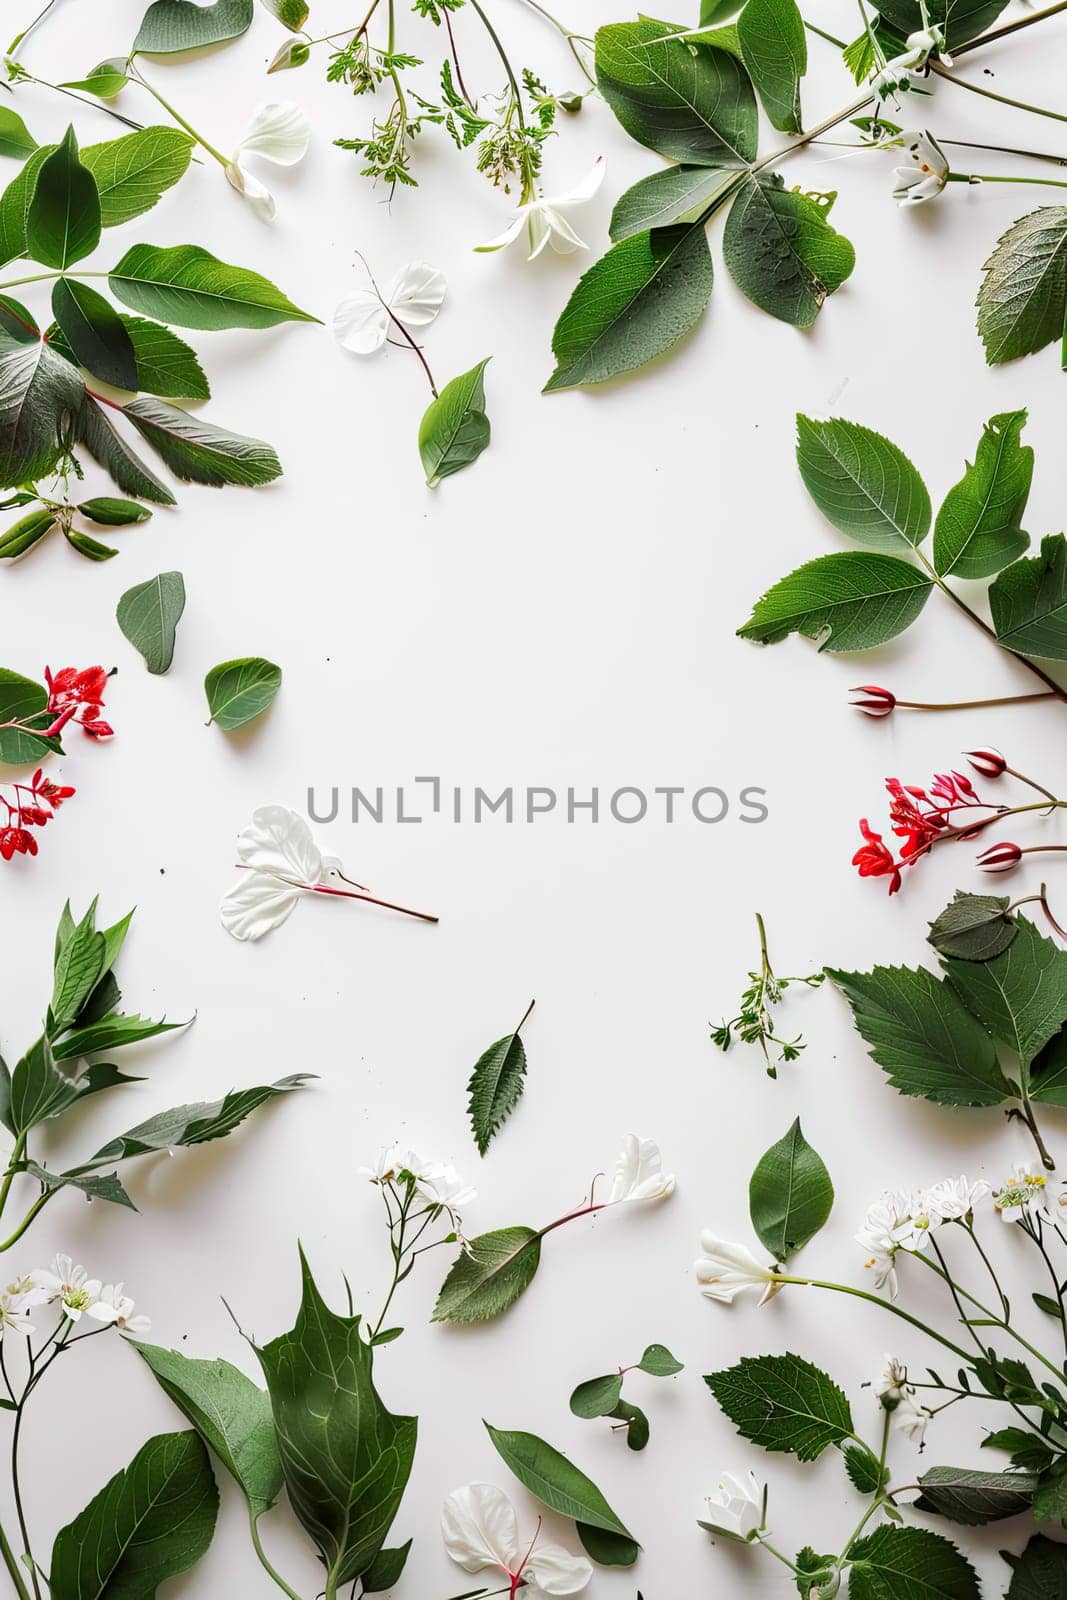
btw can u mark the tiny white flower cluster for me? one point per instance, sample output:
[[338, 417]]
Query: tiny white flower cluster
[[70, 1288], [1023, 1195], [437, 1182], [901, 1221], [898, 1397]]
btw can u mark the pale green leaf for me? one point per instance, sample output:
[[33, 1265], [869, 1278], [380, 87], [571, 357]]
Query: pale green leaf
[[237, 691], [148, 615], [133, 172], [678, 194], [187, 285]]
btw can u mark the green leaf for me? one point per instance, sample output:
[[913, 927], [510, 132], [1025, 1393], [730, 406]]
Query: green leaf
[[106, 80], [125, 466], [15, 138], [239, 690], [865, 1473], [63, 217], [20, 700], [1048, 1074], [850, 600], [1040, 1573], [681, 98], [14, 543], [111, 513], [385, 1570], [862, 483], [923, 1036], [40, 1088], [962, 19], [151, 1521], [496, 1085], [133, 172], [637, 1432], [195, 1124], [783, 1403], [1022, 300], [94, 1185], [974, 927], [14, 203], [489, 1276], [187, 285], [1020, 995], [87, 546], [678, 194], [39, 394], [200, 452], [790, 1194], [1028, 601], [632, 305], [658, 1362], [230, 1413], [713, 12], [454, 429], [909, 1564], [346, 1458], [78, 969], [292, 14], [555, 1481], [597, 1397], [165, 364], [148, 615], [172, 25], [111, 1033], [781, 251], [972, 1498], [607, 1549], [979, 526], [1025, 1448], [775, 51], [95, 333]]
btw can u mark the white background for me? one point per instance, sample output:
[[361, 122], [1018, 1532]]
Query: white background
[[561, 614]]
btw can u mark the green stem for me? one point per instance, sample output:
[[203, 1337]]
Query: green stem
[[38, 1205], [991, 94], [570, 36], [13, 1569], [822, 34], [1010, 27], [179, 119], [987, 1312], [16, 1488], [253, 1528], [885, 1305], [992, 177], [765, 1544], [9, 1176], [879, 1496]]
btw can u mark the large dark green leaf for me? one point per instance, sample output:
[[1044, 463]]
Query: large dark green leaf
[[1040, 1573], [677, 194], [775, 51], [95, 333], [632, 305], [132, 172], [230, 1413], [1028, 601], [909, 1564], [197, 450], [681, 98], [169, 26], [783, 1403], [14, 203], [63, 216], [455, 429], [924, 1037], [961, 19], [1048, 1074], [150, 1522], [1020, 995], [346, 1458], [789, 1194], [556, 1482], [40, 394], [198, 1123], [110, 449], [852, 600], [489, 1275], [22, 700], [40, 1087], [189, 286], [979, 527], [496, 1086], [862, 483], [1022, 299], [972, 1498], [782, 252]]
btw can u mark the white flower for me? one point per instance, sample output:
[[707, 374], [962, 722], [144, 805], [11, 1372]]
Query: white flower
[[278, 132], [910, 1418], [414, 296], [737, 1506], [891, 1384], [78, 1294], [480, 1529], [726, 1270], [894, 1222], [922, 1219], [921, 45], [543, 219], [955, 1198], [639, 1172], [111, 1295], [1023, 1195], [927, 173], [389, 1164], [285, 862], [16, 1302], [442, 1185]]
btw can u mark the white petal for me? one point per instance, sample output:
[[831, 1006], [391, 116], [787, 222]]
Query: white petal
[[509, 235], [416, 293], [553, 1570], [583, 191], [256, 904], [540, 230], [563, 240], [278, 840], [361, 323], [279, 132], [257, 194], [479, 1527]]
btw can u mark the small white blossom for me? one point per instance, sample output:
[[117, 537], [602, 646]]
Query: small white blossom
[[955, 1198], [726, 1270], [737, 1506], [927, 172], [389, 1164], [543, 218], [891, 1384], [910, 1418], [77, 1293], [16, 1302], [440, 1184], [480, 1529], [896, 75], [125, 1320], [922, 1219], [1024, 1195], [414, 296], [639, 1172], [278, 132]]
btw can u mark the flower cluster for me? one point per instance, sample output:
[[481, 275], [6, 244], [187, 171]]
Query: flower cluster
[[437, 1182], [70, 1289], [77, 696], [30, 805], [920, 818], [1023, 1196], [898, 1397], [900, 1221]]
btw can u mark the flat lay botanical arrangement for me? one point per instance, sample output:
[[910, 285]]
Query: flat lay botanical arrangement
[[312, 1407]]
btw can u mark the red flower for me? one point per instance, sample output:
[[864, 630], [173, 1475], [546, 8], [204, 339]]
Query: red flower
[[1000, 857], [53, 794], [79, 697], [16, 841], [875, 701], [987, 761], [918, 828], [874, 858]]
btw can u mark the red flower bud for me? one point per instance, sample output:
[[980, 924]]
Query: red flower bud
[[1000, 857], [875, 701], [988, 762]]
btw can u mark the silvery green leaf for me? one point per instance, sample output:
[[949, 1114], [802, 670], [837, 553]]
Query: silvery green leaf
[[169, 26], [148, 615], [15, 138], [1022, 299]]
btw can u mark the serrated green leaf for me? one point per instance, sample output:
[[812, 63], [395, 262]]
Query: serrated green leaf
[[111, 450], [199, 451], [489, 1276], [78, 969], [783, 1403], [239, 690], [909, 1564], [40, 393], [133, 172], [150, 1522], [1040, 1573], [678, 194], [1020, 995], [230, 1413], [166, 365], [199, 1123], [924, 1037], [781, 251], [790, 1194], [110, 1033], [1022, 299], [496, 1085], [974, 927], [979, 526], [1050, 1496], [93, 1185], [16, 140], [973, 1498], [1028, 601], [658, 1362], [680, 97], [555, 1481], [95, 333], [63, 215], [851, 600], [775, 51], [169, 26], [1025, 1448], [865, 1473], [597, 1397], [189, 286], [148, 615], [632, 305], [862, 483], [455, 429]]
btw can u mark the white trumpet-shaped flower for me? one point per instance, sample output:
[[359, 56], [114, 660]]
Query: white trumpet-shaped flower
[[726, 1270], [413, 297], [480, 1529], [927, 173], [543, 219], [639, 1172], [278, 132], [737, 1506]]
